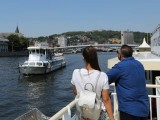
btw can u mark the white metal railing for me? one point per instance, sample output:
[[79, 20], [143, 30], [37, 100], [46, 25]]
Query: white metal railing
[[33, 63], [151, 97], [67, 110], [64, 110], [158, 101], [147, 85], [150, 103]]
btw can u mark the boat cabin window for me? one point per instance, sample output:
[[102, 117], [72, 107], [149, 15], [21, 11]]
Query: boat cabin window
[[45, 64], [42, 51], [49, 55], [39, 64], [31, 63], [31, 51], [37, 51]]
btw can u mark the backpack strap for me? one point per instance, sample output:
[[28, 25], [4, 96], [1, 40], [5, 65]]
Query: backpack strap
[[97, 80], [94, 90]]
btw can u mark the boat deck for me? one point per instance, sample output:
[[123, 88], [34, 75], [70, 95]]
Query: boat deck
[[150, 61]]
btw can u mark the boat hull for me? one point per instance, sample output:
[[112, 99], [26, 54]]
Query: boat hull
[[29, 70]]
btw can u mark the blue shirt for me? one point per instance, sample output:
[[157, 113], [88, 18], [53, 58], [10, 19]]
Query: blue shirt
[[130, 81]]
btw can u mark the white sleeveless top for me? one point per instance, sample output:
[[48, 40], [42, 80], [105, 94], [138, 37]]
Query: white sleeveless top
[[90, 76]]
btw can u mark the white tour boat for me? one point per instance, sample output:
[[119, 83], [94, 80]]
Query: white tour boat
[[41, 60]]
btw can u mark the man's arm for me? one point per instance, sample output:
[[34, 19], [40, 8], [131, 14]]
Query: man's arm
[[113, 74]]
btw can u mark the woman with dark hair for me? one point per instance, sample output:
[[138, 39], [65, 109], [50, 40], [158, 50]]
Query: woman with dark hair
[[92, 74], [90, 57]]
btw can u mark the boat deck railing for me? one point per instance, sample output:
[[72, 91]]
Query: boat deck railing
[[33, 63], [65, 113]]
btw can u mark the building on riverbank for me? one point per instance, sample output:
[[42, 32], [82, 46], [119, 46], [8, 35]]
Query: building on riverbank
[[4, 45], [14, 54], [4, 41], [127, 37], [62, 41]]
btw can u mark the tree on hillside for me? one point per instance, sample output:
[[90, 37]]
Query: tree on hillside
[[100, 36], [24, 43]]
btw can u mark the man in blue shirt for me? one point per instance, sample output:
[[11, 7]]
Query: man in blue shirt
[[130, 82]]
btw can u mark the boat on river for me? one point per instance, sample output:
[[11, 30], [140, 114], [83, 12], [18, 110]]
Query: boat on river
[[41, 60]]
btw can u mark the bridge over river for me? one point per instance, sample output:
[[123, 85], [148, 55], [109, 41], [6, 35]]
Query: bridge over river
[[103, 47]]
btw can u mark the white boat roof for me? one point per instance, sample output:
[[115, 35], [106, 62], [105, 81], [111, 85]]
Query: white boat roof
[[38, 47], [149, 60], [144, 44]]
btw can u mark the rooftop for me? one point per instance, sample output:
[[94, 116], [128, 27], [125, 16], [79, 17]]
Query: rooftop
[[4, 40], [144, 44]]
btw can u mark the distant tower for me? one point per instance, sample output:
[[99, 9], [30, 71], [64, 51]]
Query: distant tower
[[17, 29], [127, 37], [62, 41]]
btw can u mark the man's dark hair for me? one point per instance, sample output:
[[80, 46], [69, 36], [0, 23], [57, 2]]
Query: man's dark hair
[[126, 51]]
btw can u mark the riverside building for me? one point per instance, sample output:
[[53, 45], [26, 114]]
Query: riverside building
[[4, 41], [62, 41], [4, 45], [127, 37]]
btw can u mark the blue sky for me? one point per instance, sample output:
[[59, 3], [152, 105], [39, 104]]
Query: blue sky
[[46, 17]]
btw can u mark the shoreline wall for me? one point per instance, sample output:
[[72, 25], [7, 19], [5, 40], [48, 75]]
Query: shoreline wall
[[14, 54]]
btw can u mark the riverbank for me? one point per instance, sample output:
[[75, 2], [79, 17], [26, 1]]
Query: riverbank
[[14, 54]]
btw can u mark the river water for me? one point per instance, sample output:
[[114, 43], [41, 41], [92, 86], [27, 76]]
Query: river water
[[49, 93]]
